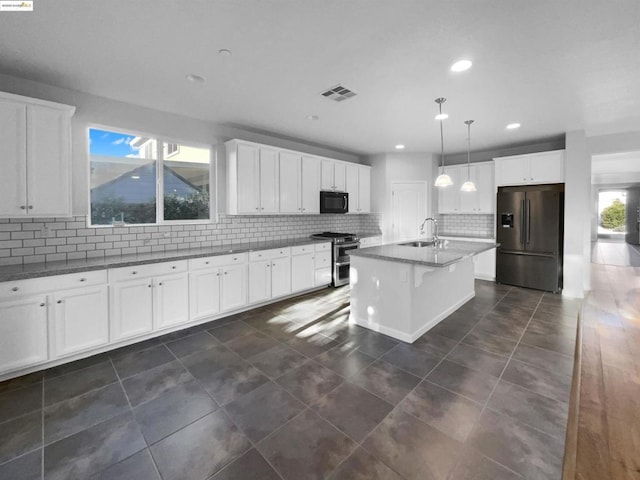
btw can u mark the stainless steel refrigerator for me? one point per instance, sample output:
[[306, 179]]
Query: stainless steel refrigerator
[[530, 233]]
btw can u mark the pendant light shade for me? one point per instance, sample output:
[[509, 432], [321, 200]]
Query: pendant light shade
[[443, 179], [468, 186]]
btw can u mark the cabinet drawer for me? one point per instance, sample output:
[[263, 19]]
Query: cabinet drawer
[[300, 249], [149, 270], [54, 283], [323, 259], [217, 261], [268, 254], [323, 247]]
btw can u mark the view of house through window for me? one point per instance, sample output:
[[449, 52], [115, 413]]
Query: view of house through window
[[126, 186], [612, 210]]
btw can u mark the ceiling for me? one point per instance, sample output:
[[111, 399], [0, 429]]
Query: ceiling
[[553, 66]]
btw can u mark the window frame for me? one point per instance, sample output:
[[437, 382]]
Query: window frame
[[160, 221]]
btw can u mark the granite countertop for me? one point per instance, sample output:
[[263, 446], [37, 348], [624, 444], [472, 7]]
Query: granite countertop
[[442, 256], [467, 235], [34, 270]]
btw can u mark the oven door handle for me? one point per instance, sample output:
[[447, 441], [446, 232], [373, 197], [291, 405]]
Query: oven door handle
[[339, 264]]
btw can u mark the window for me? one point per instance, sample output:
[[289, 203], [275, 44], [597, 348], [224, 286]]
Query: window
[[143, 180]]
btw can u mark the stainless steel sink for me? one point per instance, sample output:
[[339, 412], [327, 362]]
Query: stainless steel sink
[[417, 244]]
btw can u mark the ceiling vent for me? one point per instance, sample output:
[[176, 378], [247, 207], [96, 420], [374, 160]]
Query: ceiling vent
[[338, 93]]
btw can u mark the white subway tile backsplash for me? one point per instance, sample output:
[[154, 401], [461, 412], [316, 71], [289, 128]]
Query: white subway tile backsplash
[[70, 239], [463, 224]]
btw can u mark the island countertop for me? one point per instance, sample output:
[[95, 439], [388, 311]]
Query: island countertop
[[446, 254]]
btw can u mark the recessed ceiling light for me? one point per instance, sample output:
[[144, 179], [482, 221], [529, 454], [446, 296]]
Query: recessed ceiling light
[[224, 52], [313, 117], [461, 66], [441, 116], [399, 147], [195, 78], [513, 126]]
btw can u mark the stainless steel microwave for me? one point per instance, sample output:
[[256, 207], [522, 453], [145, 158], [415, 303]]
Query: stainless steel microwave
[[334, 202]]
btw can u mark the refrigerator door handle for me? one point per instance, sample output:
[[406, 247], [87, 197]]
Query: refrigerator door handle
[[523, 238], [528, 221]]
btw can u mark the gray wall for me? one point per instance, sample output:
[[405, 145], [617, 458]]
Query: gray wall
[[545, 145]]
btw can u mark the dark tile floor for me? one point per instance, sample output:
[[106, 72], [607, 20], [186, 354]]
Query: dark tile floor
[[292, 391]]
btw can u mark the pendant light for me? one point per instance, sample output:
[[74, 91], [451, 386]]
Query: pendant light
[[468, 186], [443, 179]]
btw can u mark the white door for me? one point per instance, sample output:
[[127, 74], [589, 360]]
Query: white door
[[364, 190], [289, 177], [23, 333], [310, 192], [302, 272], [259, 281], [449, 197], [339, 176], [351, 183], [547, 167], [204, 293], [233, 289], [269, 192], [248, 179], [81, 319], [13, 180], [280, 277], [486, 190], [132, 308], [171, 300], [408, 209], [327, 175]]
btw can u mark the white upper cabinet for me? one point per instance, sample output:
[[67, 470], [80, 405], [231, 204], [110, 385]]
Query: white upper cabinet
[[452, 200], [533, 168], [449, 197], [482, 200], [332, 175], [358, 186], [252, 179], [270, 180], [35, 139]]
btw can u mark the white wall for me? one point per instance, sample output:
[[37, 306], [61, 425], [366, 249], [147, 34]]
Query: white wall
[[397, 167], [577, 219], [91, 109]]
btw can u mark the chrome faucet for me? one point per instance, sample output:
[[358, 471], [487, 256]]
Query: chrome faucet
[[436, 240]]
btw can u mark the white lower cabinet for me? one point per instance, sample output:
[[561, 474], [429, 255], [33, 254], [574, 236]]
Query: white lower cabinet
[[81, 319], [485, 265], [269, 274], [303, 265], [233, 287], [204, 293], [147, 298], [171, 296], [131, 308], [23, 333], [44, 319]]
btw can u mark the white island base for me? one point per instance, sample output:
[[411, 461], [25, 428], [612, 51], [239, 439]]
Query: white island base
[[405, 300]]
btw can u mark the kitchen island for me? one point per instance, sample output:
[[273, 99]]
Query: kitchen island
[[403, 291]]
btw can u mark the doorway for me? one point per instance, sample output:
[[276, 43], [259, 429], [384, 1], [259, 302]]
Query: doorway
[[408, 209]]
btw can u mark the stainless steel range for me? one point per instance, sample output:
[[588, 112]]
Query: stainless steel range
[[340, 261]]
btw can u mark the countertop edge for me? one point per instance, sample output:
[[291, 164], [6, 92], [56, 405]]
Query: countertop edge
[[38, 270]]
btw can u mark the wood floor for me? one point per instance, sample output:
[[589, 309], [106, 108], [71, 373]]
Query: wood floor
[[607, 441]]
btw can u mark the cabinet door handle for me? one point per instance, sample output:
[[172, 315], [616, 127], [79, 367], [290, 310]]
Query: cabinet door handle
[[31, 206], [149, 285], [83, 279], [206, 263], [218, 274], [235, 258], [257, 208], [23, 207], [134, 273], [59, 301], [42, 304], [226, 273], [160, 283], [262, 208], [15, 289], [173, 268]]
